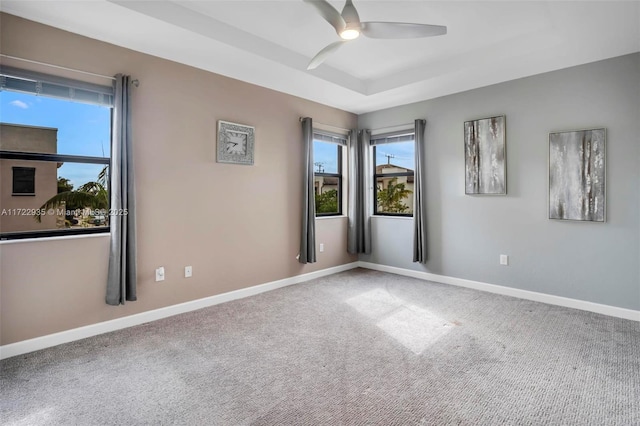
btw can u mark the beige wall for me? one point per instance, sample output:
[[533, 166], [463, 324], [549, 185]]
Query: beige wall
[[15, 209], [237, 226]]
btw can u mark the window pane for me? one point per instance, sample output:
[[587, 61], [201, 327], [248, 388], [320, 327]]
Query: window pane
[[327, 191], [84, 190], [327, 188], [24, 180], [394, 193], [71, 128], [69, 195], [63, 195], [325, 157]]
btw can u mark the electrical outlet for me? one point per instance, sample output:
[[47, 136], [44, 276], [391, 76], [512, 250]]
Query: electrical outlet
[[504, 259], [188, 271], [321, 247], [160, 274]]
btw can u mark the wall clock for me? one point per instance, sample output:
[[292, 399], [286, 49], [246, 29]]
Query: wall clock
[[235, 143]]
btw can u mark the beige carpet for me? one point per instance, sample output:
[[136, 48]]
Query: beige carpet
[[355, 348]]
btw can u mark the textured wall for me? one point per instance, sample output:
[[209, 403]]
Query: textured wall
[[582, 260], [237, 226]]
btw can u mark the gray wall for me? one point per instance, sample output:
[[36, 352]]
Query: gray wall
[[586, 261]]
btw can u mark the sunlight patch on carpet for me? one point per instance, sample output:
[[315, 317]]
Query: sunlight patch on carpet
[[413, 327], [43, 416], [375, 303]]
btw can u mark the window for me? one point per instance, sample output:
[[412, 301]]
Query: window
[[55, 137], [327, 155], [24, 181], [394, 160]]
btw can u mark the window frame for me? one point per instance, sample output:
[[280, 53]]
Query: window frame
[[376, 175], [65, 89], [338, 175], [15, 193]]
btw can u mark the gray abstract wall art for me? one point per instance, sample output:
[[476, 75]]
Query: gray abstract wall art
[[485, 156], [577, 175]]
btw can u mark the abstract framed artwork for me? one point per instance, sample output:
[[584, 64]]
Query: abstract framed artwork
[[485, 156], [577, 171]]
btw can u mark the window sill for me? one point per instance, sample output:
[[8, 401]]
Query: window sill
[[338, 216], [56, 238], [378, 216]]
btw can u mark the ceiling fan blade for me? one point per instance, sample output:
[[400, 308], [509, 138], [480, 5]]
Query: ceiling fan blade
[[329, 13], [324, 54], [350, 14], [401, 30]]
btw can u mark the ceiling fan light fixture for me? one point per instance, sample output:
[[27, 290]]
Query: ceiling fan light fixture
[[350, 33], [349, 27]]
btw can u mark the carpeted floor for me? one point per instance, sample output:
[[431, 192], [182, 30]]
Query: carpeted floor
[[355, 348]]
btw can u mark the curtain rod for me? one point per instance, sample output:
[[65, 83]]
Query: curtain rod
[[135, 82], [371, 130], [329, 125], [57, 66], [397, 126]]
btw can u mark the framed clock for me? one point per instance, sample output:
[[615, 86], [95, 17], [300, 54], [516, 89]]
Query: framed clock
[[235, 143]]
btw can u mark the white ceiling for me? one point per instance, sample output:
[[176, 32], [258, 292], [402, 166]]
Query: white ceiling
[[269, 43]]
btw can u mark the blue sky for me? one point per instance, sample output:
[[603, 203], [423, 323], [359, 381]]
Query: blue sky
[[403, 154], [325, 153], [83, 129]]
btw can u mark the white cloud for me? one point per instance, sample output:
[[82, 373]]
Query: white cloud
[[19, 104]]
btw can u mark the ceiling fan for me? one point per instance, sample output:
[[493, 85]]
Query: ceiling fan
[[349, 27]]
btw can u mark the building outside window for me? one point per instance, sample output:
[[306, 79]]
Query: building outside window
[[394, 160]]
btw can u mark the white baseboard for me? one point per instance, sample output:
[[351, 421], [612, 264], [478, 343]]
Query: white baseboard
[[67, 336], [613, 311], [55, 339]]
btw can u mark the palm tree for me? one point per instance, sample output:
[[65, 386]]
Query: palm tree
[[93, 195]]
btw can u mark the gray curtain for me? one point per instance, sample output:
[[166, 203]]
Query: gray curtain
[[308, 236], [419, 207], [359, 234], [121, 280]]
